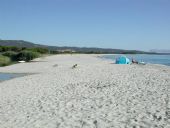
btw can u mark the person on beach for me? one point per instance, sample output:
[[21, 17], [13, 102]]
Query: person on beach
[[74, 66], [134, 61]]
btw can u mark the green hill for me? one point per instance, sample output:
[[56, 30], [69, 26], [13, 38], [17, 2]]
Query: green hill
[[22, 43]]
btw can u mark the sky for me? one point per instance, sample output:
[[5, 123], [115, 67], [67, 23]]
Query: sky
[[122, 24]]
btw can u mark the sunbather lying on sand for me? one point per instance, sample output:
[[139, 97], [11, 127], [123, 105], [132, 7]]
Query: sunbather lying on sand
[[134, 61]]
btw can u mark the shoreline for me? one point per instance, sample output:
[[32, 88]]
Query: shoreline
[[132, 54], [96, 93]]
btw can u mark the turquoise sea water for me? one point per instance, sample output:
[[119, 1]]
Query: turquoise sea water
[[153, 59]]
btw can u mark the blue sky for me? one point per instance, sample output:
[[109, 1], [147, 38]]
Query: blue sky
[[124, 24]]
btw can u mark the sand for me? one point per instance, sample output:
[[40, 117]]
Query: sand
[[95, 94]]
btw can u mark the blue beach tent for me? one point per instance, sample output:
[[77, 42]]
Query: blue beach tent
[[122, 60]]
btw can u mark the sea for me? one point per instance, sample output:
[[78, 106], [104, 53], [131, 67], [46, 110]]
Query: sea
[[147, 58], [8, 76]]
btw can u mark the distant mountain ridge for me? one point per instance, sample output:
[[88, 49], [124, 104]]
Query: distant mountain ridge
[[22, 43], [19, 43], [160, 50]]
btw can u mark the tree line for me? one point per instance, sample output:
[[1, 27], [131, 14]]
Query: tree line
[[12, 54]]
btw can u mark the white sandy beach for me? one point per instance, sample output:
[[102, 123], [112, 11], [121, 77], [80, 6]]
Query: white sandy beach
[[96, 94]]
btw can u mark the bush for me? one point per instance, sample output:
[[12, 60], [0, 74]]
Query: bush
[[15, 49], [11, 54], [55, 52], [27, 55], [9, 48], [4, 60], [39, 50], [1, 49], [4, 48]]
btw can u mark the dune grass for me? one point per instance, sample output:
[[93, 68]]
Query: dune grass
[[4, 60]]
